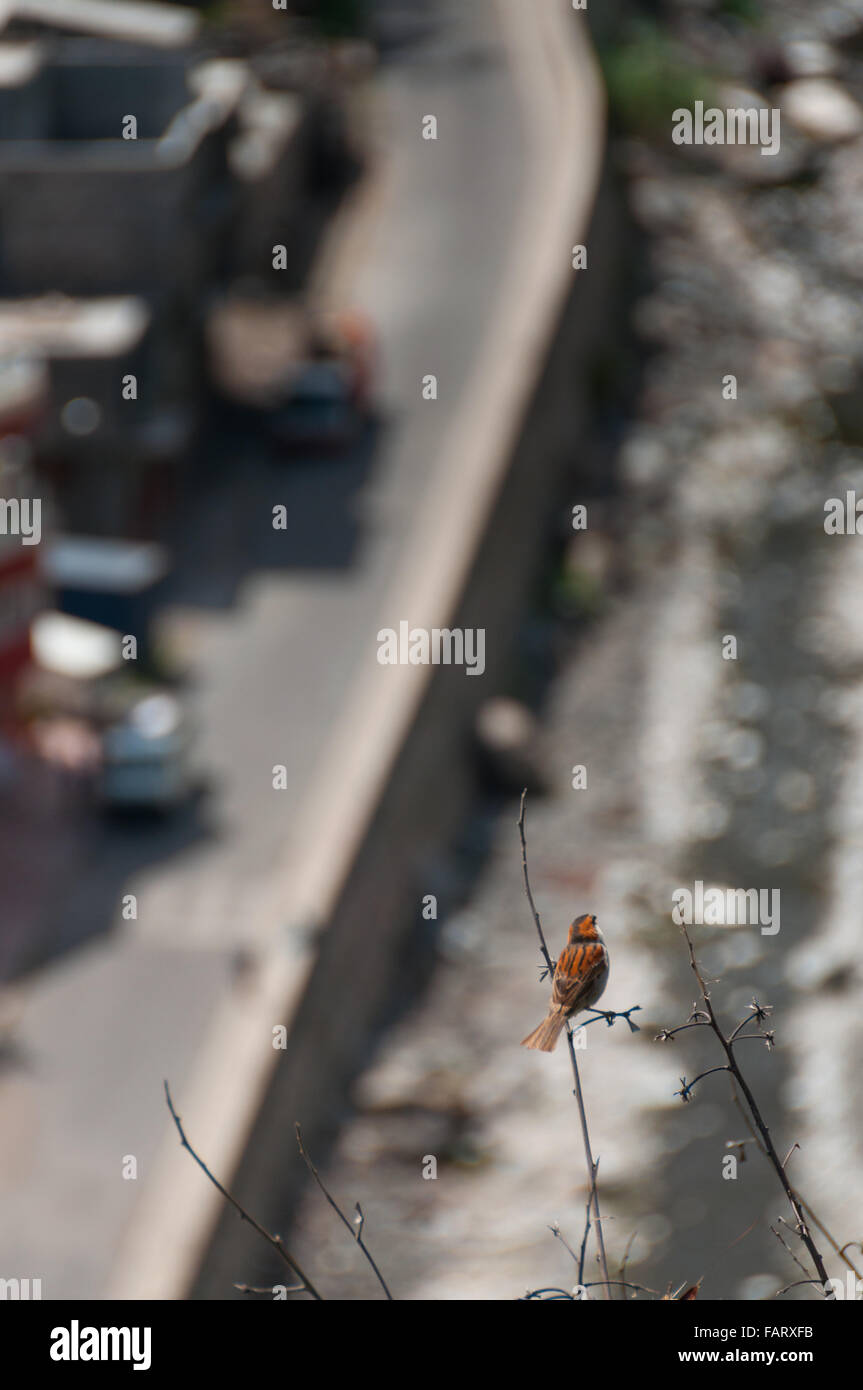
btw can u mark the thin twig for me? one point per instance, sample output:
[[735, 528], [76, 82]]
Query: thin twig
[[577, 1093], [794, 1146], [554, 1293], [787, 1248], [610, 1015], [727, 1045], [743, 1234], [624, 1262], [558, 1235], [588, 1154], [542, 946], [669, 1034], [557, 1294], [276, 1241], [588, 1207], [844, 1248], [813, 1216], [759, 1011], [687, 1292], [356, 1229], [687, 1087], [622, 1284], [251, 1288], [796, 1285]]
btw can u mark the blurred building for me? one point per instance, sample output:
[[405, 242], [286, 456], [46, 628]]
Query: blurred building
[[116, 414], [87, 209], [22, 392], [138, 177]]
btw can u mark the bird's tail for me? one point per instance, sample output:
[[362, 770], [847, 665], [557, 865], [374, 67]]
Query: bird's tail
[[544, 1038]]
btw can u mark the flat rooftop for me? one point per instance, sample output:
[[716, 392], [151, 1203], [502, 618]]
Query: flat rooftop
[[135, 21]]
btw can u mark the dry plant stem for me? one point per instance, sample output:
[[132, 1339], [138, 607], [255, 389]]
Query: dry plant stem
[[555, 1295], [796, 1285], [728, 1048], [556, 1232], [356, 1231], [542, 946], [588, 1154], [624, 1284], [591, 1166], [799, 1263], [269, 1289], [593, 1284], [276, 1241], [805, 1207], [621, 1273], [590, 1197]]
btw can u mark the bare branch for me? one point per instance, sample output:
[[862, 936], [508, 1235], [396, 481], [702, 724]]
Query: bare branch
[[276, 1241], [787, 1248], [588, 1154], [591, 1198], [687, 1087], [610, 1015], [554, 1295], [250, 1288], [623, 1263], [759, 1013], [796, 1285], [542, 946], [794, 1146], [813, 1216], [356, 1228], [669, 1034], [624, 1284], [558, 1235]]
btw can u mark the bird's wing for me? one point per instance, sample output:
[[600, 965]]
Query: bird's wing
[[578, 972]]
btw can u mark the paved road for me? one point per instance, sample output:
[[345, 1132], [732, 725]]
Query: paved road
[[272, 626]]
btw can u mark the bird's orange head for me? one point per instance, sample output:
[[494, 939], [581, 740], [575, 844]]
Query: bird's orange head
[[584, 928]]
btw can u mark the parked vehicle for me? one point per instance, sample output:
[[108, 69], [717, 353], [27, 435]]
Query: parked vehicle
[[112, 582], [146, 757], [325, 396], [306, 374], [320, 410]]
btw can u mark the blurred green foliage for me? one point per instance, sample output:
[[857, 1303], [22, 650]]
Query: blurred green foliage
[[747, 11], [574, 595], [647, 79]]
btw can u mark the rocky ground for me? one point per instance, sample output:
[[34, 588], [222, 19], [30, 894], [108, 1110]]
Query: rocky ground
[[741, 773]]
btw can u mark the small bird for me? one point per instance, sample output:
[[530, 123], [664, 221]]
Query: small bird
[[580, 976]]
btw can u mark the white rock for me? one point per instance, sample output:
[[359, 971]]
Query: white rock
[[821, 109]]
